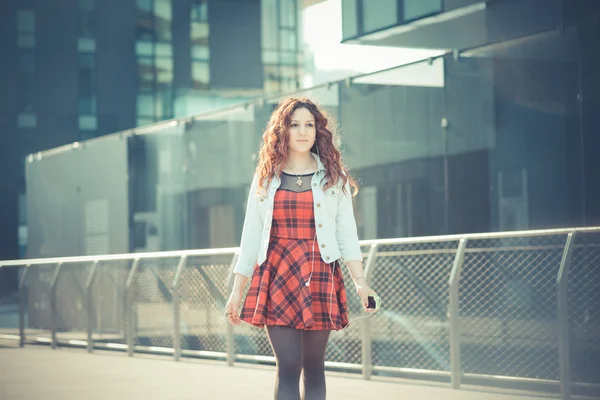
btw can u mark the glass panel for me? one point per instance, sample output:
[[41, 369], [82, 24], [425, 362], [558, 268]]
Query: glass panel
[[26, 120], [86, 45], [164, 49], [146, 73], [200, 53], [88, 122], [199, 33], [287, 13], [200, 74], [26, 21], [414, 9], [26, 81], [26, 40], [144, 5], [86, 5], [288, 40], [270, 57], [200, 11], [164, 70], [87, 83], [145, 105], [163, 18], [87, 23], [349, 18], [144, 48], [288, 58], [379, 14], [269, 24]]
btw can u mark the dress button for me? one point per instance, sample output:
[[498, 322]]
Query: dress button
[[318, 204], [333, 192], [320, 225], [314, 184], [322, 246], [327, 258]]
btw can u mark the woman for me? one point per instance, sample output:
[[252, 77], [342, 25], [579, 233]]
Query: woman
[[299, 224]]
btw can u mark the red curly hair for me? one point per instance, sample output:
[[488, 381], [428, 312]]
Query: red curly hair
[[274, 149]]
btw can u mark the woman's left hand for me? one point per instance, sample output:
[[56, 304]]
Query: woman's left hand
[[364, 291]]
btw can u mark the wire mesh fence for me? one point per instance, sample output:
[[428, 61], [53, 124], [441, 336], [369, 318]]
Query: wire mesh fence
[[508, 323], [508, 308]]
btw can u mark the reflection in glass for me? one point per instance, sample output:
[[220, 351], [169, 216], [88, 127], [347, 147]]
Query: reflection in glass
[[200, 74], [379, 14], [287, 12], [269, 24], [414, 9], [87, 83], [26, 81], [163, 18], [288, 40], [26, 21], [349, 18]]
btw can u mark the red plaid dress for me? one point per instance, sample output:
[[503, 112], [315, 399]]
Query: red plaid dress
[[278, 294]]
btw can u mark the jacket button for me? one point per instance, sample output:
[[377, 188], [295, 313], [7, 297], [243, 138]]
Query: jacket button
[[318, 204], [322, 246], [320, 225], [327, 258], [333, 192]]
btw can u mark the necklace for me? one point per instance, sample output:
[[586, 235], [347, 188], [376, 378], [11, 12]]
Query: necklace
[[299, 182]]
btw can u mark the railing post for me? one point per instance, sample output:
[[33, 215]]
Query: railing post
[[176, 309], [129, 306], [53, 310], [22, 300], [366, 326], [90, 306], [563, 319], [453, 311], [230, 336]]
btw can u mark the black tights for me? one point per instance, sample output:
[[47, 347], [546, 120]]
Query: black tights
[[296, 350]]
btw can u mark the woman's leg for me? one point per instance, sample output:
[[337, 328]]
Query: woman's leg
[[287, 346], [314, 344]]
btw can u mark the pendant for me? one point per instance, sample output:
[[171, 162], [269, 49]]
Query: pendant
[[299, 181]]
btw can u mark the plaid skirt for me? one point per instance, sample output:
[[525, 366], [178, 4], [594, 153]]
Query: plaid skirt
[[278, 294]]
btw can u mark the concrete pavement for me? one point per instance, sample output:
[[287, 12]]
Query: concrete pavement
[[36, 372]]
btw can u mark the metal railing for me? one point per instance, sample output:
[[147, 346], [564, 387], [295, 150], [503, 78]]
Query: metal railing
[[513, 308]]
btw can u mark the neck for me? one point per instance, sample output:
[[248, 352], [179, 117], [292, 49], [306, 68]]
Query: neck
[[299, 161]]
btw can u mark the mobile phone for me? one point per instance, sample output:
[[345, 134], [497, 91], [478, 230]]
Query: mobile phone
[[373, 303]]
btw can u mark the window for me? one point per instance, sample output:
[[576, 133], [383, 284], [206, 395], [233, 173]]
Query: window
[[414, 9], [154, 51], [349, 19], [26, 117], [287, 12], [87, 83], [26, 81], [378, 14], [200, 41], [200, 11], [288, 40], [26, 21], [26, 29]]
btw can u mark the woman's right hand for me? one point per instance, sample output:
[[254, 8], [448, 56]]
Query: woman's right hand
[[232, 308]]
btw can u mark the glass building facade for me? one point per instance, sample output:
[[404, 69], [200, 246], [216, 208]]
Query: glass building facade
[[492, 140]]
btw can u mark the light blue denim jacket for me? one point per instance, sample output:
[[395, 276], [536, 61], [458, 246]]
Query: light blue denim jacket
[[334, 220]]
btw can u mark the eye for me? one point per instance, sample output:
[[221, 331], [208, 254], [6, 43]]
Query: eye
[[311, 125], [294, 125]]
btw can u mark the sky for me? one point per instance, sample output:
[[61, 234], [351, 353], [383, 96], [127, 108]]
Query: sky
[[322, 34]]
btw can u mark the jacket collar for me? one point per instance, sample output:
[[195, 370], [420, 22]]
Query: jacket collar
[[320, 166]]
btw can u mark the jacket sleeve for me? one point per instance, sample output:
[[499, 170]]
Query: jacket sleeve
[[251, 233], [345, 231]]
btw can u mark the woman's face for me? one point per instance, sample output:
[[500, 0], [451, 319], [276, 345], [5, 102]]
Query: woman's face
[[302, 131]]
